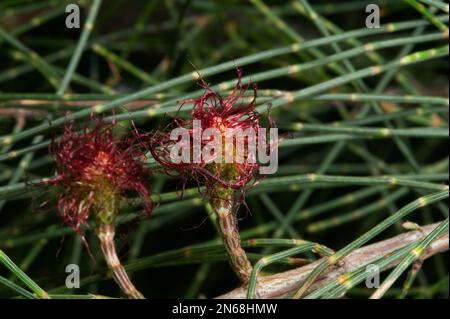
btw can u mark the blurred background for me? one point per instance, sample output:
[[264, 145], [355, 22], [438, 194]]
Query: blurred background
[[138, 44]]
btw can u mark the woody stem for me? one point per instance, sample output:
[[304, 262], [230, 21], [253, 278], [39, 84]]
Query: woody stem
[[106, 233], [225, 211]]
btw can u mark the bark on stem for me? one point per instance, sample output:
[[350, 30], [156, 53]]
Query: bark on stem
[[226, 214], [106, 235], [281, 285]]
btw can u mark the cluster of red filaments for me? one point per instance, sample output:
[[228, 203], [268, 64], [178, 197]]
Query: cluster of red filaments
[[94, 170], [228, 114]]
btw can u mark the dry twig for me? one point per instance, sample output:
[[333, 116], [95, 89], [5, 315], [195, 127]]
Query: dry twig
[[282, 284]]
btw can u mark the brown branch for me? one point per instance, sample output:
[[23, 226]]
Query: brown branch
[[283, 284], [106, 235]]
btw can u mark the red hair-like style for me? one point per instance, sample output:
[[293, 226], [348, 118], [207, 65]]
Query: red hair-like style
[[214, 111], [94, 169]]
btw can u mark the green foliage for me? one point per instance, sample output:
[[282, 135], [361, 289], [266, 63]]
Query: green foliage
[[367, 110]]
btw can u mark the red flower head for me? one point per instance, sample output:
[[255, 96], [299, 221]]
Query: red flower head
[[234, 165], [94, 170]]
